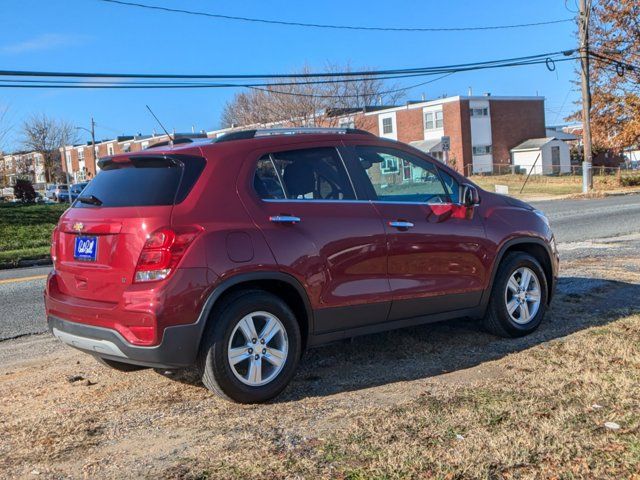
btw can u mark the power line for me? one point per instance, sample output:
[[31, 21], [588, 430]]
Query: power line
[[334, 27], [388, 92], [614, 61], [361, 73], [68, 84]]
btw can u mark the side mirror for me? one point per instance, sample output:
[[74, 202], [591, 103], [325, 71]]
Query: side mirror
[[469, 195]]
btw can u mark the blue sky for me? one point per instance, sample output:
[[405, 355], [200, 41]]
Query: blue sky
[[89, 35]]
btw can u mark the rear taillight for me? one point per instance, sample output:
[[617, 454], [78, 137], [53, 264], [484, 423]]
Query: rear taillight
[[54, 245], [162, 252]]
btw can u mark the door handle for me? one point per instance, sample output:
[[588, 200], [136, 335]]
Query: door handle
[[400, 224], [284, 219]]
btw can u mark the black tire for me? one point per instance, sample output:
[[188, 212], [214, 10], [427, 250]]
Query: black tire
[[497, 319], [120, 366], [213, 363]]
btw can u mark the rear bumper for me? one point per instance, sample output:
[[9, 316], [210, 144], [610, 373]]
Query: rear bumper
[[178, 348]]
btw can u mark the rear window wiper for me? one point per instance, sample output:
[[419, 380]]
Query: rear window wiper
[[91, 200]]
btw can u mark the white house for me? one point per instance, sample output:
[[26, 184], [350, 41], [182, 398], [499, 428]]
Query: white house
[[545, 156]]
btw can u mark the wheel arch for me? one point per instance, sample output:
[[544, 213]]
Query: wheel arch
[[281, 284], [537, 248]]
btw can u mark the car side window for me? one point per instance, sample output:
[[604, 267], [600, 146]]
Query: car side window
[[397, 176], [451, 185], [266, 181], [305, 174]]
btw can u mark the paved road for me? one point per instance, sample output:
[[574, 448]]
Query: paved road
[[21, 307], [22, 313], [578, 220]]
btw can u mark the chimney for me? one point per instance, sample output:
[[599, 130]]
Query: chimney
[[423, 97], [470, 92]]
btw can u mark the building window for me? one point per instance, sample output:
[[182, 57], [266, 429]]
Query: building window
[[389, 164], [110, 149], [80, 154], [387, 125], [126, 147], [482, 150], [479, 112], [347, 123], [145, 145], [433, 120]]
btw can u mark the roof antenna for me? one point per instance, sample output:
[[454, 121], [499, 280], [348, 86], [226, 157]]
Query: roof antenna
[[161, 125]]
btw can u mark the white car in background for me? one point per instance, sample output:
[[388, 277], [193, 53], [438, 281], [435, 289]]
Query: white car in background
[[52, 191]]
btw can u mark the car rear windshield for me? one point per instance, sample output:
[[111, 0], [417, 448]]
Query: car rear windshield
[[143, 181]]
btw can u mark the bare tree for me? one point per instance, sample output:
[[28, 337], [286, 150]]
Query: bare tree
[[46, 135], [5, 126], [296, 102]]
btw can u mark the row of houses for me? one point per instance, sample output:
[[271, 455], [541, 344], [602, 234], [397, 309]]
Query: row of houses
[[474, 134], [28, 165]]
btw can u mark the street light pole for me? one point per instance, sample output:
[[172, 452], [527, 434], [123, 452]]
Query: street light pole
[[92, 132], [583, 28]]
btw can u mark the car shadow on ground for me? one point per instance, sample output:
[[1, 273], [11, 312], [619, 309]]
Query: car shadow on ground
[[438, 348]]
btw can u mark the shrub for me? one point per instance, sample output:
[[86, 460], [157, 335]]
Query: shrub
[[631, 181], [23, 191]]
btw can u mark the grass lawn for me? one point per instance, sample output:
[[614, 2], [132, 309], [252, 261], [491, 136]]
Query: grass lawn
[[545, 185], [25, 231], [545, 419]]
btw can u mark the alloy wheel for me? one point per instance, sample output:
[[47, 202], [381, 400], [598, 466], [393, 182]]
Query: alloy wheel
[[522, 295], [258, 348]]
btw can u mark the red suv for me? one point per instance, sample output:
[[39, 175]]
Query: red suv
[[236, 254]]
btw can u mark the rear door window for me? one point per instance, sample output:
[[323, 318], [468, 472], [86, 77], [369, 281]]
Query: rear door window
[[144, 181], [305, 174]]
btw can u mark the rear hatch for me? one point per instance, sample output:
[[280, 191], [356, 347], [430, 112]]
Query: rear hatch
[[99, 239]]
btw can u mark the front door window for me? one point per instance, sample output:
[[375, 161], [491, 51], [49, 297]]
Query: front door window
[[417, 182]]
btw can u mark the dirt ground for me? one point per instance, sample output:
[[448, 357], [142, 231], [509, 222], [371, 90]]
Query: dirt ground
[[439, 401]]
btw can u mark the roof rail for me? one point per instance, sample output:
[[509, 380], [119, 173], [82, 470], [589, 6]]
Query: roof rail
[[268, 132], [180, 140]]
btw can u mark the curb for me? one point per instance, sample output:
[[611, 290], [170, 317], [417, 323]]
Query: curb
[[39, 262]]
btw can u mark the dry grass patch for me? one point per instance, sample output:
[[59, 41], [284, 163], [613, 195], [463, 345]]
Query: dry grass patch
[[441, 401], [544, 185], [545, 419]]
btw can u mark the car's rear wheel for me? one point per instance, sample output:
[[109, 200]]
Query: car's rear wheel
[[251, 348], [519, 297]]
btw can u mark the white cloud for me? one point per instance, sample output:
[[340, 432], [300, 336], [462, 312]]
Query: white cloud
[[46, 41]]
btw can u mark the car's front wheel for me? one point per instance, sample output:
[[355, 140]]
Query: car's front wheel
[[251, 348], [519, 296]]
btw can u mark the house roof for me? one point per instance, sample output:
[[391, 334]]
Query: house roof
[[561, 135], [533, 143]]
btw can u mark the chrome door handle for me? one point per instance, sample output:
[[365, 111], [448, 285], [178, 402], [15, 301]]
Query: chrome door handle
[[284, 219], [400, 224]]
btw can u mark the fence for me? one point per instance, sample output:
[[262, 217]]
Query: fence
[[573, 170]]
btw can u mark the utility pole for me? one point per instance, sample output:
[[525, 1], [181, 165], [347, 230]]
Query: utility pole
[[583, 29], [93, 144], [92, 132]]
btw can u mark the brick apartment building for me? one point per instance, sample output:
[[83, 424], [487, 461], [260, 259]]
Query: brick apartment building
[[27, 165], [481, 129], [79, 160]]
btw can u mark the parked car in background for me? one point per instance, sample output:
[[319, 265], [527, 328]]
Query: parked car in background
[[7, 194], [233, 255], [52, 192], [74, 191]]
